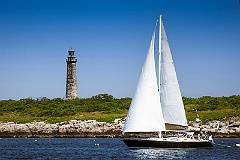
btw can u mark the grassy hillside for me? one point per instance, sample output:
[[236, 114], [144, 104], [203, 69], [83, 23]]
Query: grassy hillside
[[212, 108], [104, 107]]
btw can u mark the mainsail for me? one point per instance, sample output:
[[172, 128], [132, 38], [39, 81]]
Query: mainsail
[[156, 104]]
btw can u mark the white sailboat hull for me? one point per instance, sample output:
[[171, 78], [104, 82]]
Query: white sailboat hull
[[173, 142]]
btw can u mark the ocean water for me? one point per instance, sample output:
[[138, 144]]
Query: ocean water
[[107, 148]]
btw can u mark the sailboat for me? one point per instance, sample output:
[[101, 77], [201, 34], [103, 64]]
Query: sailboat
[[156, 114]]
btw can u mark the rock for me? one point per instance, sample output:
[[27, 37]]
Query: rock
[[92, 128], [223, 130], [117, 121], [195, 125], [231, 131], [64, 128], [22, 128], [234, 124], [50, 128]]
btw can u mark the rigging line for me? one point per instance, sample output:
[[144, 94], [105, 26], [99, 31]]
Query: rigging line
[[155, 28], [156, 25]]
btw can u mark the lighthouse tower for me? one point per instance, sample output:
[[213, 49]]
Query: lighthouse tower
[[71, 83]]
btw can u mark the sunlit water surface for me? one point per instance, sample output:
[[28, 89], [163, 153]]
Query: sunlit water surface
[[107, 148]]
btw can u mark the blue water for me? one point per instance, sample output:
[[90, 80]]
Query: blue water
[[109, 148]]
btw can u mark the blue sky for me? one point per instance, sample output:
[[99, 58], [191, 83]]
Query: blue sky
[[111, 39]]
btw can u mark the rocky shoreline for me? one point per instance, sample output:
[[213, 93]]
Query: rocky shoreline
[[92, 128], [228, 129], [70, 129]]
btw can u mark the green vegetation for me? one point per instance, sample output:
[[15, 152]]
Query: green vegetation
[[212, 108], [104, 107]]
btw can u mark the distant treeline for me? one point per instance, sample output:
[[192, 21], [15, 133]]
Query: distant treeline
[[212, 103], [207, 107], [58, 107], [212, 108]]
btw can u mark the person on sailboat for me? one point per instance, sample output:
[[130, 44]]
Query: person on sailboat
[[199, 137], [211, 139]]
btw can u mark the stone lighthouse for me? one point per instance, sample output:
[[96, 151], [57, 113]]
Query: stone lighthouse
[[71, 83]]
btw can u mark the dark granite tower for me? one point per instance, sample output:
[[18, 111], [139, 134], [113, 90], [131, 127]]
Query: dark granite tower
[[71, 84]]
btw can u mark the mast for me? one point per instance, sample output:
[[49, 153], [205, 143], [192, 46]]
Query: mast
[[159, 52], [159, 63]]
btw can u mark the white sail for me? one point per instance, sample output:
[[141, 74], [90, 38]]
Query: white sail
[[156, 104], [145, 114], [170, 95]]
